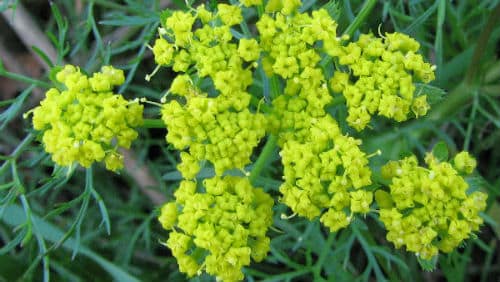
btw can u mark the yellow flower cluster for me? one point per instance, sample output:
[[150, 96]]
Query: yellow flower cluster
[[86, 122], [220, 229], [324, 170], [219, 129], [325, 174], [380, 78], [220, 225], [288, 42], [211, 132], [430, 209]]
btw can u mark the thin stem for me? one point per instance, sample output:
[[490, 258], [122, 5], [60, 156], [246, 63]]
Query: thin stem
[[438, 42], [260, 10], [337, 100], [27, 140], [275, 86], [243, 24], [80, 216], [361, 17], [40, 240], [153, 123], [264, 157], [323, 255], [369, 254], [115, 6], [481, 45], [19, 149], [104, 211], [260, 104], [472, 120], [24, 79]]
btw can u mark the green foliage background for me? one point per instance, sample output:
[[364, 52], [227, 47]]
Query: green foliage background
[[77, 225]]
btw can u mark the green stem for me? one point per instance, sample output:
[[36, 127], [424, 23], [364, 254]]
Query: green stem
[[264, 156], [372, 260], [323, 255], [260, 10], [361, 17], [275, 86], [492, 75], [438, 42], [19, 149], [40, 240], [153, 123], [25, 79], [472, 119], [481, 45], [29, 226], [115, 6], [260, 104], [337, 100]]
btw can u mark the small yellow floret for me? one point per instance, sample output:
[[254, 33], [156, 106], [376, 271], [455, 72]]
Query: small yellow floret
[[168, 215], [229, 14], [249, 49], [464, 162]]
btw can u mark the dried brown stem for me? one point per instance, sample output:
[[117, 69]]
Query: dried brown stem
[[142, 176], [29, 32]]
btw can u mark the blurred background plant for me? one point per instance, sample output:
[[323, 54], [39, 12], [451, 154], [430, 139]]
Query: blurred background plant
[[70, 224]]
